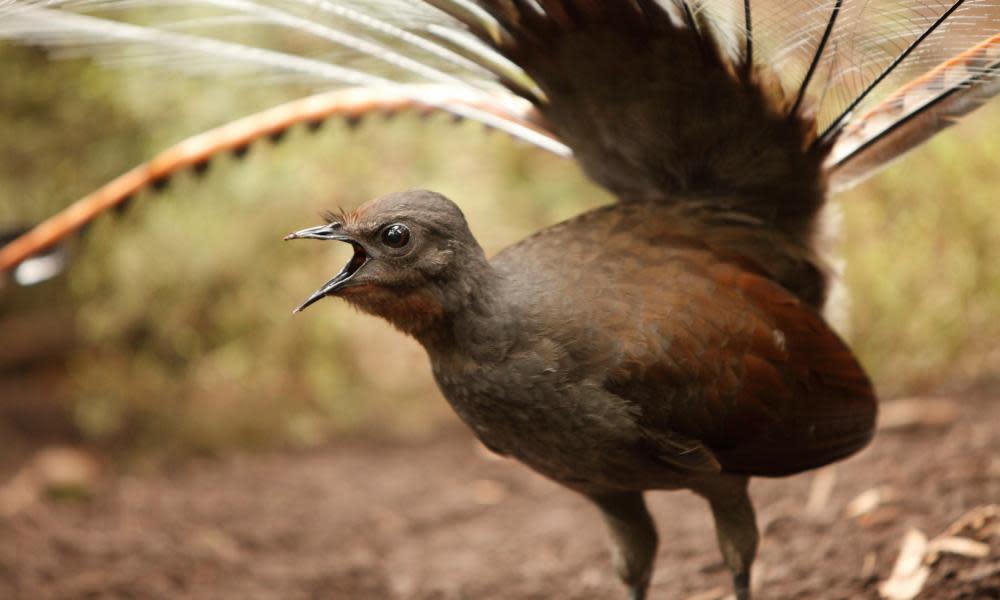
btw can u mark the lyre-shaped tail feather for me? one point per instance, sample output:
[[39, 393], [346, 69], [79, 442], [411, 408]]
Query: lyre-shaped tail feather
[[196, 152], [409, 68], [751, 106]]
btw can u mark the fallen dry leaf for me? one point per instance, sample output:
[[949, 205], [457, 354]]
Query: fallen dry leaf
[[869, 500], [909, 573], [976, 519]]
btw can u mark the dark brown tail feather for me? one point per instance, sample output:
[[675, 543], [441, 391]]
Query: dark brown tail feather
[[654, 110]]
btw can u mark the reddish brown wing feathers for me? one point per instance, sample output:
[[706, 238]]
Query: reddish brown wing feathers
[[737, 363], [804, 394]]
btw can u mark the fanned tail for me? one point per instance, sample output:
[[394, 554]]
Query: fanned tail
[[748, 107], [663, 102]]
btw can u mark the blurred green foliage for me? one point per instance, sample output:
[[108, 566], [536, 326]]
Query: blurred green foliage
[[185, 338], [922, 241]]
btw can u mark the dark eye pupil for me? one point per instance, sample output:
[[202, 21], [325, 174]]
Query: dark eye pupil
[[396, 236]]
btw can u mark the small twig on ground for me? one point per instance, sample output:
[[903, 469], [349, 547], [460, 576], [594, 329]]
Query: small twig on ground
[[961, 546], [917, 554]]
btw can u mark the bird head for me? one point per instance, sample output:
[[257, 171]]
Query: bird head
[[411, 250]]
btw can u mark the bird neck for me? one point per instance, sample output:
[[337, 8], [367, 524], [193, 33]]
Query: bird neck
[[476, 320]]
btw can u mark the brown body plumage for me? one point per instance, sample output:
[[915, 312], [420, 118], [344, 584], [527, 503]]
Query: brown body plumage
[[670, 341], [628, 349]]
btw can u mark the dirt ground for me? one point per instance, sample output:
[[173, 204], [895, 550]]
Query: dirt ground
[[443, 519]]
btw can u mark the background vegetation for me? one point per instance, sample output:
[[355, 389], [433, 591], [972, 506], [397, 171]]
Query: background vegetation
[[182, 337]]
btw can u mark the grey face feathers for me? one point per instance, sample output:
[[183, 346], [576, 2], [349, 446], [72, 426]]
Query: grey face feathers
[[408, 248]]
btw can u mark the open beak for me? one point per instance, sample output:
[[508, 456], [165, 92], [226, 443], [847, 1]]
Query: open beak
[[340, 280]]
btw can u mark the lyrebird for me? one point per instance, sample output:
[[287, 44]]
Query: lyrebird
[[671, 340]]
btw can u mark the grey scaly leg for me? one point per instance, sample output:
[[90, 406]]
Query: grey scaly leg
[[633, 539], [735, 528]]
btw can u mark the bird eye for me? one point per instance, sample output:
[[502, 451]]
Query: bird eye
[[396, 236]]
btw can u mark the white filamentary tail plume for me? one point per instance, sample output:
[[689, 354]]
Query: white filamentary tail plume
[[873, 78]]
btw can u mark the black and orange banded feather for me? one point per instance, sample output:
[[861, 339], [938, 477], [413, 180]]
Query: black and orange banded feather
[[686, 101], [197, 151]]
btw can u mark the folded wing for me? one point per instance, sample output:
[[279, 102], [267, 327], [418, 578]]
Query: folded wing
[[738, 366]]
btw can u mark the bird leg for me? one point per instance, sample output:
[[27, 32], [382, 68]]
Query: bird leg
[[735, 528], [633, 539]]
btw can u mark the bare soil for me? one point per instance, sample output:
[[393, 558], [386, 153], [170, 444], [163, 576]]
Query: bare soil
[[442, 519]]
